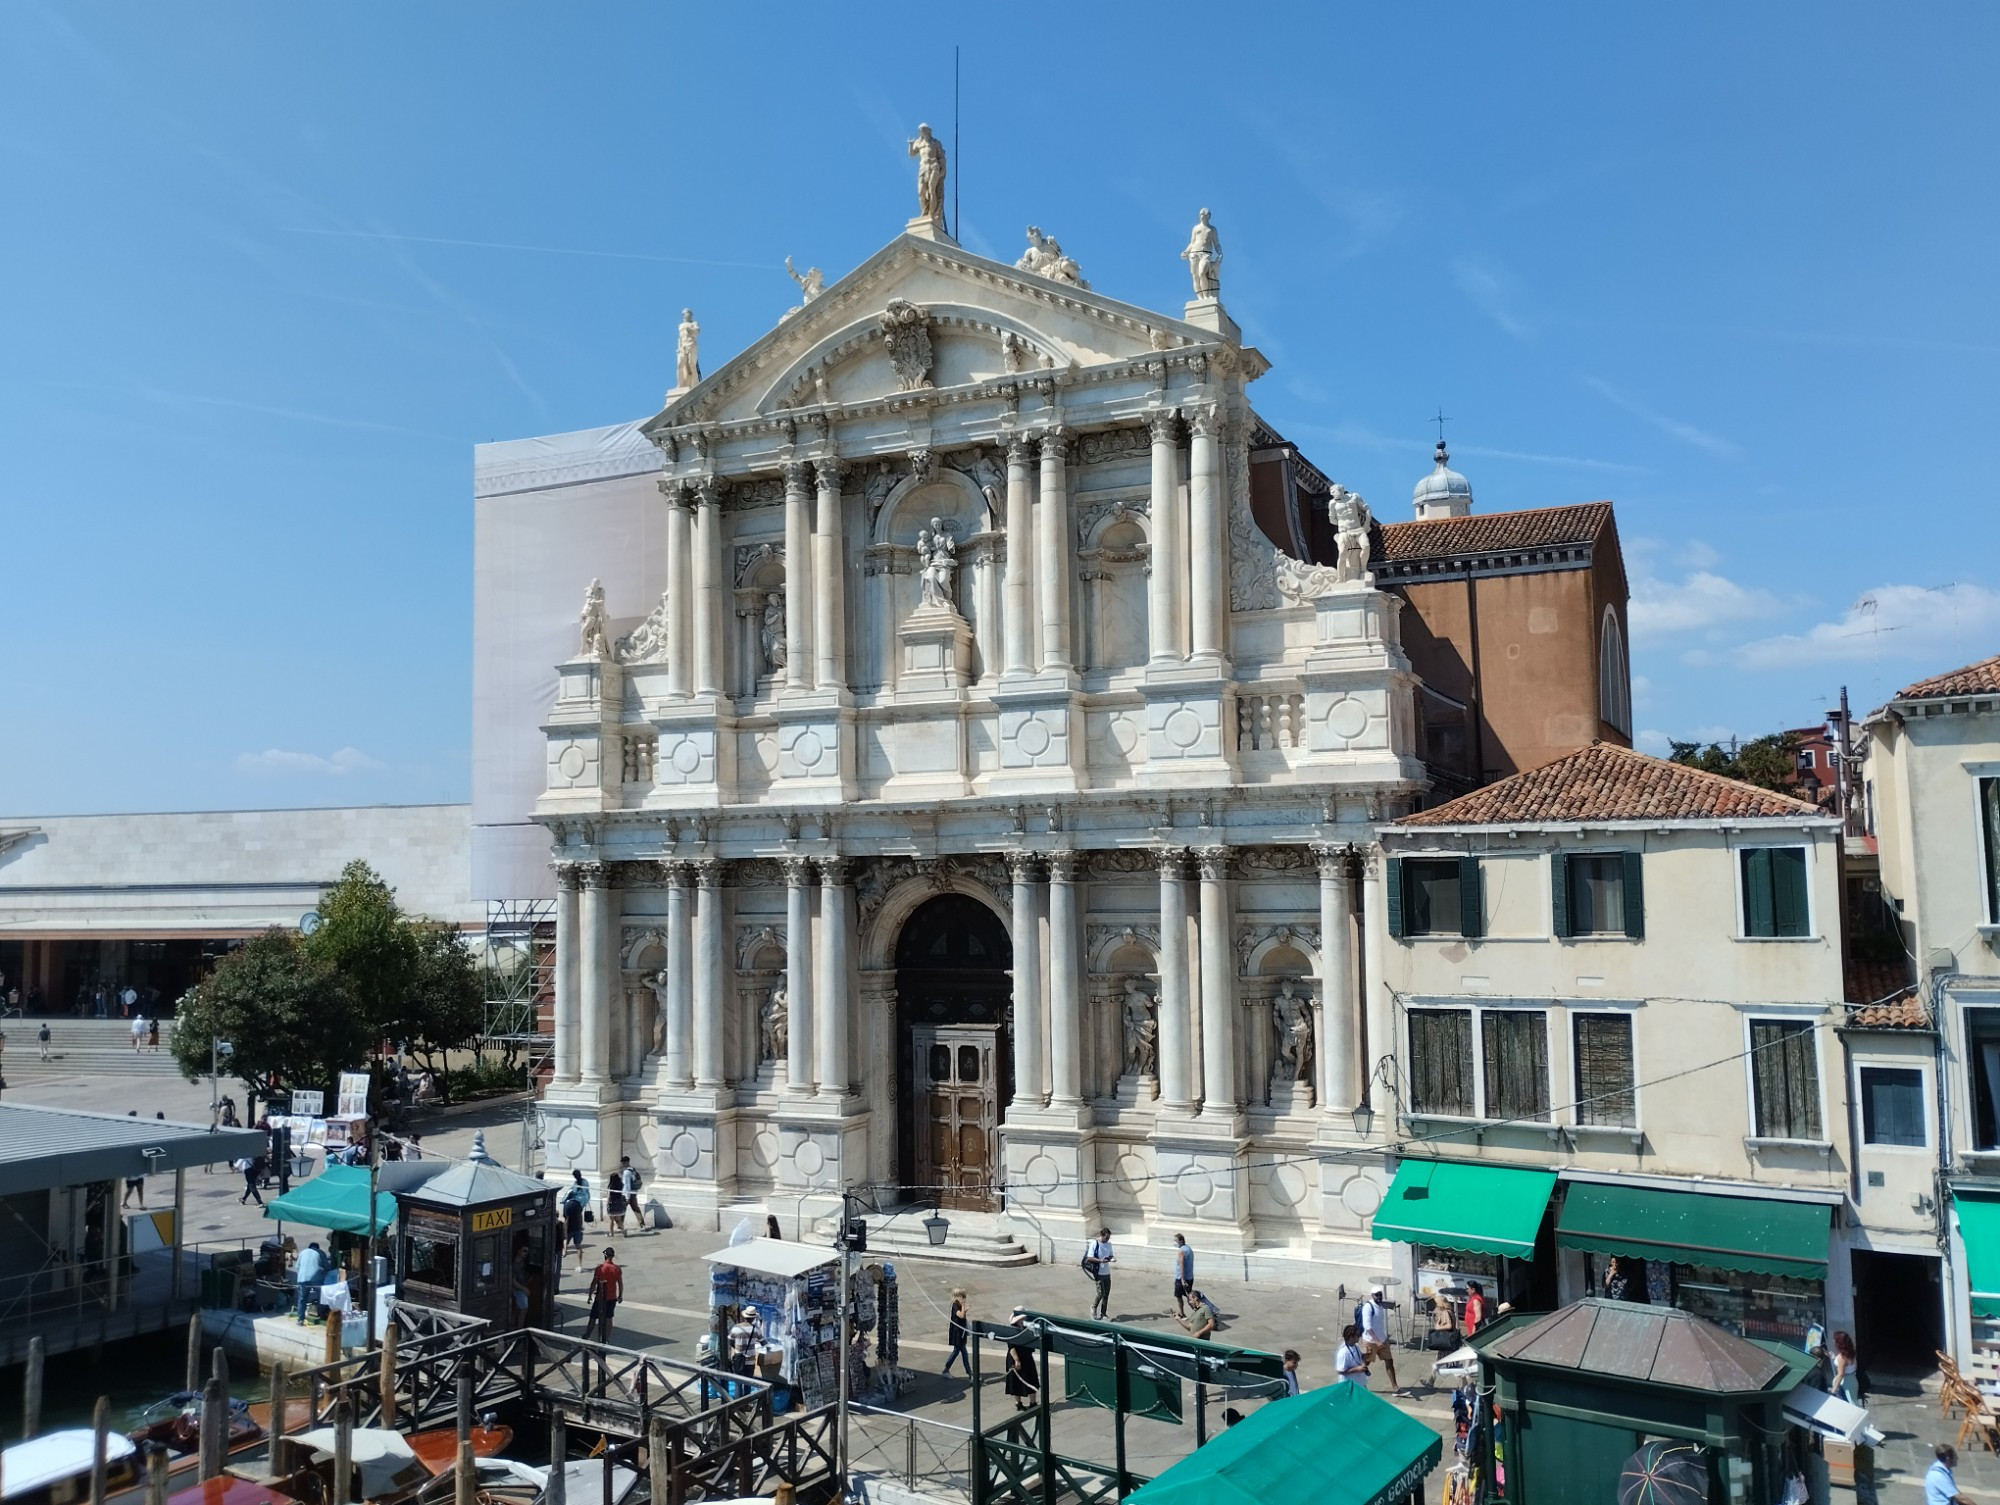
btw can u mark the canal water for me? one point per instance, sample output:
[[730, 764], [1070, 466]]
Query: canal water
[[134, 1374]]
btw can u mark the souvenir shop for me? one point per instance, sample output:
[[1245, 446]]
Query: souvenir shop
[[790, 1295]]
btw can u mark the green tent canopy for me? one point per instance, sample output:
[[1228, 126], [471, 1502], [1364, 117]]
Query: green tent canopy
[[1979, 1226], [336, 1199], [1757, 1234], [1483, 1209], [1337, 1445]]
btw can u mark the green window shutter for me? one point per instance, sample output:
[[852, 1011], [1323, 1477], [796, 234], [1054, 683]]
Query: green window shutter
[[1635, 897], [1392, 893], [1757, 917], [1559, 893], [1471, 905], [1788, 891]]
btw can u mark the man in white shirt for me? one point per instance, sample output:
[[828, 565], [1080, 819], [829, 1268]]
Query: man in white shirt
[[1349, 1368], [1098, 1259], [312, 1269], [743, 1342], [1374, 1326]]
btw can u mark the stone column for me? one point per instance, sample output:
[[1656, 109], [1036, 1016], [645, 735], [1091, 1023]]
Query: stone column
[[798, 576], [1338, 1028], [1166, 585], [1020, 590], [1027, 983], [708, 602], [712, 982], [597, 974], [1218, 986], [828, 593], [677, 1055], [1380, 1039], [1065, 985], [1052, 548], [1208, 549], [567, 983], [835, 987], [1173, 1014], [680, 588], [798, 975]]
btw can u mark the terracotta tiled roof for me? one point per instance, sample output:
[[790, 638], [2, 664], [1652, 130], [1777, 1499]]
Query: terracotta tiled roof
[[1982, 678], [1880, 995], [1486, 532], [1604, 783]]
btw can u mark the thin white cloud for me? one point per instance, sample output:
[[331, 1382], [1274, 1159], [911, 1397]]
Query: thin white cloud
[[278, 760], [1493, 293], [1700, 599], [1935, 626], [1529, 457], [1673, 428], [1658, 743]]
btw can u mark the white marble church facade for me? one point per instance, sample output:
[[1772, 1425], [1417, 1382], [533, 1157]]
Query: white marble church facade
[[985, 808]]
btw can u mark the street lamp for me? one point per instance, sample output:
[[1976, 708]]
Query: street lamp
[[936, 1226]]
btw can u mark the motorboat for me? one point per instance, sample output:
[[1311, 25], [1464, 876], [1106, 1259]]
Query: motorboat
[[54, 1468], [437, 1449], [386, 1471], [175, 1424], [502, 1481]]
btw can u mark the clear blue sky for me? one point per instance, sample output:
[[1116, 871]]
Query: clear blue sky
[[272, 270]]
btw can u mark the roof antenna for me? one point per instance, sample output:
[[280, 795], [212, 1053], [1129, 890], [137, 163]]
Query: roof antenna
[[958, 162]]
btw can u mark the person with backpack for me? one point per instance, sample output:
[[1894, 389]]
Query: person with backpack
[[44, 1038], [575, 1208], [628, 1183], [1372, 1317], [1097, 1262]]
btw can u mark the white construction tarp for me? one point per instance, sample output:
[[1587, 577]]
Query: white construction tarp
[[771, 1256]]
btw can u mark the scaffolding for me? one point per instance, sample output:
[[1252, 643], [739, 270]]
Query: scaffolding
[[520, 958]]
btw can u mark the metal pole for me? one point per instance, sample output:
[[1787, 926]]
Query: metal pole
[[840, 1423], [1042, 1413], [1121, 1400], [374, 1167], [180, 1236], [31, 1387]]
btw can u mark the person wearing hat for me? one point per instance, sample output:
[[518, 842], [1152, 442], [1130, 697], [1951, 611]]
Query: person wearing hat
[[1372, 1317], [1024, 1378], [743, 1341]]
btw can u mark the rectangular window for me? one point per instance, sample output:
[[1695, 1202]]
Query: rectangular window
[[1784, 1076], [1774, 892], [1604, 1091], [1441, 1062], [1436, 896], [1982, 1065], [1989, 828], [1597, 894], [1805, 759], [431, 1261], [1515, 1044], [1892, 1105]]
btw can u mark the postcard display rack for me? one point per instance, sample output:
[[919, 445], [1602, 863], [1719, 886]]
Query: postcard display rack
[[799, 1315]]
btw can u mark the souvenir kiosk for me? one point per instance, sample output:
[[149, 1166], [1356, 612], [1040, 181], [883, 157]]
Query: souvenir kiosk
[[794, 1292], [482, 1240]]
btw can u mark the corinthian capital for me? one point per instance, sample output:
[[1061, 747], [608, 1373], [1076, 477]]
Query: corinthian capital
[[708, 490], [798, 476], [1164, 424], [674, 873], [1023, 867], [595, 874], [1335, 859], [798, 871], [830, 470], [1055, 441], [568, 879], [1213, 863], [835, 872], [1204, 419], [1020, 449], [707, 872], [1171, 861], [675, 491], [1062, 867]]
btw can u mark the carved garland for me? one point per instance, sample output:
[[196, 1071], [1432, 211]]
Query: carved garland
[[1250, 937]]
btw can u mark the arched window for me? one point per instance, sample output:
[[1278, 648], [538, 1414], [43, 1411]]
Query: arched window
[[1614, 678]]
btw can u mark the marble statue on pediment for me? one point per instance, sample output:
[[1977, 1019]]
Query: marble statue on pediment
[[1142, 1031], [593, 626], [1351, 521], [771, 632], [687, 356], [646, 643], [1044, 257], [774, 1026], [929, 152], [937, 567], [811, 285], [1204, 258], [1292, 1019]]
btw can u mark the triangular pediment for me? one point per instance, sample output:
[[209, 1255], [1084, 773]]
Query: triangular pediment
[[924, 314]]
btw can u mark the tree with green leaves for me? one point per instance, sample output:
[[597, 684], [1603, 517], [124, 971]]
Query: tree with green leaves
[[364, 936], [287, 1015], [1769, 762]]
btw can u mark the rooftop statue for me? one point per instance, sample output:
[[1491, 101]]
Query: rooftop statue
[[594, 627], [811, 285], [687, 361], [929, 152], [1204, 258]]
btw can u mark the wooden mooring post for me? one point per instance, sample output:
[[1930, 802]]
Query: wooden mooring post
[[31, 1387], [100, 1435]]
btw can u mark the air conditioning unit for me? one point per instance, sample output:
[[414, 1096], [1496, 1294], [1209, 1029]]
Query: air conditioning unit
[[1940, 959]]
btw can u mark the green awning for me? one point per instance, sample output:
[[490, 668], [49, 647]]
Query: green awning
[[1338, 1444], [1481, 1209], [1696, 1228], [335, 1199], [1979, 1226]]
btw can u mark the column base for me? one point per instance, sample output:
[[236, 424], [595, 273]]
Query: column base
[[1353, 1177], [1208, 313], [822, 1143], [1204, 1180], [1049, 1160], [694, 1170], [926, 228]]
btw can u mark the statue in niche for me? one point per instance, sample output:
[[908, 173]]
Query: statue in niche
[[771, 632], [1351, 543], [1044, 257], [1142, 1031], [811, 285], [990, 476], [593, 626], [937, 567], [687, 359], [1204, 258], [657, 981], [929, 152], [876, 486], [774, 1026], [1291, 1017]]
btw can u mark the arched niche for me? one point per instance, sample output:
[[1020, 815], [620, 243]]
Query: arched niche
[[1116, 558]]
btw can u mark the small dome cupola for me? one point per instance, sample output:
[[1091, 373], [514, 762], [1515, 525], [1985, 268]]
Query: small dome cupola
[[1444, 492]]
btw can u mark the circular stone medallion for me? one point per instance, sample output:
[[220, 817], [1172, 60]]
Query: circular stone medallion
[[1032, 738], [684, 1151], [808, 750], [1183, 728], [1361, 1197], [687, 757], [572, 762], [1042, 1174], [1195, 1185], [1347, 718], [809, 1158]]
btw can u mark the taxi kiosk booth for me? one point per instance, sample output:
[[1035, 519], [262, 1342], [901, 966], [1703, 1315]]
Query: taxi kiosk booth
[[481, 1240]]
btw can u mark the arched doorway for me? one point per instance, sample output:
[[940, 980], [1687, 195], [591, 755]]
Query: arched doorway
[[954, 985]]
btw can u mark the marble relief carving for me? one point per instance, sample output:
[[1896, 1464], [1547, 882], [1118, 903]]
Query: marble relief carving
[[591, 624], [906, 332]]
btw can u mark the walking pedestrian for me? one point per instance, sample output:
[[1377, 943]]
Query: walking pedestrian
[[134, 1186], [607, 1289], [311, 1271], [628, 1183], [1183, 1274], [153, 1034], [1349, 1368], [1202, 1316], [129, 999], [138, 1032], [43, 1036], [252, 1168], [1940, 1488], [1024, 1378], [575, 1201], [958, 1327], [1475, 1307], [1846, 1367], [614, 1203], [1291, 1371], [1374, 1324], [1097, 1262]]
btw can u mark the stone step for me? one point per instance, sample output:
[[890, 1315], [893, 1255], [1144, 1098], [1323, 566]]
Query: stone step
[[974, 1239], [24, 1065]]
